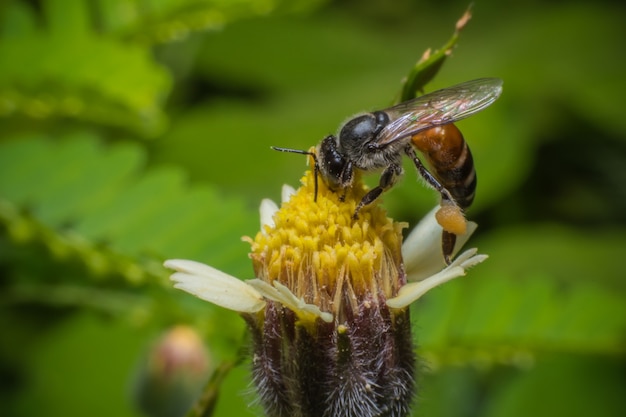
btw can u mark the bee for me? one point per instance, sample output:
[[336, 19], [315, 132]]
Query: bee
[[377, 141]]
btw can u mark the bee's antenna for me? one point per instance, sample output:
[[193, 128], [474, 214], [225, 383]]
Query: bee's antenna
[[302, 152]]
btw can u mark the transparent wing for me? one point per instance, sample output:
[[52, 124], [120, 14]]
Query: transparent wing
[[438, 108]]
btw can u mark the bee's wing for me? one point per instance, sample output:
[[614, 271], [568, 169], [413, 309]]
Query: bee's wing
[[438, 108]]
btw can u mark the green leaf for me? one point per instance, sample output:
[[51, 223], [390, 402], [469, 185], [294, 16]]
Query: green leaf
[[563, 385], [159, 21], [67, 71], [80, 197], [67, 18], [17, 20], [85, 364], [543, 289]]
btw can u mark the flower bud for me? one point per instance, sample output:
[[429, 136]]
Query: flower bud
[[173, 374]]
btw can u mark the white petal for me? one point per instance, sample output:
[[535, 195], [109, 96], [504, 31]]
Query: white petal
[[474, 260], [283, 295], [287, 192], [268, 209], [421, 250], [300, 305], [414, 290], [195, 268], [422, 247], [215, 286]]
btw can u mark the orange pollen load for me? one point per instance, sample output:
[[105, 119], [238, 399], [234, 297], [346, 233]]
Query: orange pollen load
[[451, 219]]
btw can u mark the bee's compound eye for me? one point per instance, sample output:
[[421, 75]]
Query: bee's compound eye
[[332, 163]]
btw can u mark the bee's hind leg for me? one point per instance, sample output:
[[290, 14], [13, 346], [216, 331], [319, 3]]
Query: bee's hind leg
[[448, 240], [428, 177]]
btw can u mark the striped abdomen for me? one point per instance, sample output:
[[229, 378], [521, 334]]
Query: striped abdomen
[[450, 161]]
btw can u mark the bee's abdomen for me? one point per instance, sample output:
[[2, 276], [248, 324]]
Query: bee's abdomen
[[450, 160]]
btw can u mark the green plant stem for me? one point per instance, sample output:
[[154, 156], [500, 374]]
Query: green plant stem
[[430, 63]]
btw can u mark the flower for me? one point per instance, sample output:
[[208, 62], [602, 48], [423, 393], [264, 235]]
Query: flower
[[328, 310]]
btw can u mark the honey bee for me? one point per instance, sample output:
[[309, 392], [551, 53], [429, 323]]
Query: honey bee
[[377, 140]]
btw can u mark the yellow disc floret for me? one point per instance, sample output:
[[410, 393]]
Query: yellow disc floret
[[325, 256]]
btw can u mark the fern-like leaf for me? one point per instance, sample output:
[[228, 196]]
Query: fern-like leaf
[[564, 295], [162, 21], [79, 196], [65, 70]]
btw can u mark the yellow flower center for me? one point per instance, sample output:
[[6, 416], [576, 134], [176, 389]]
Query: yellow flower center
[[325, 256]]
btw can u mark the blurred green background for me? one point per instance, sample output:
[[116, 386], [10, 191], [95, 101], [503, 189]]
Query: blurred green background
[[135, 131]]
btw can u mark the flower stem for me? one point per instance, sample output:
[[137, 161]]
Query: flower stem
[[205, 405]]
